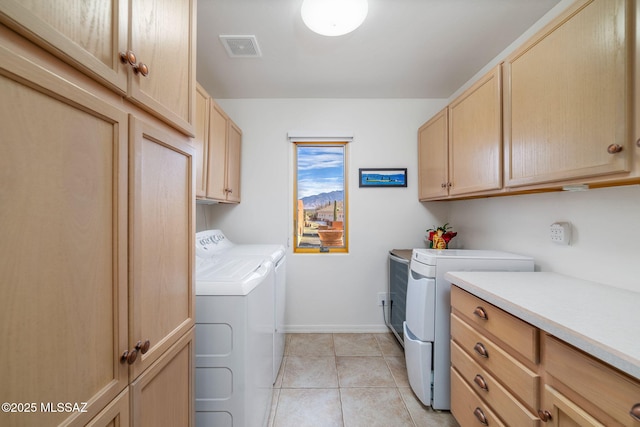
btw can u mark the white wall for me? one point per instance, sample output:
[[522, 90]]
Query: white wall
[[338, 292], [605, 244], [330, 292]]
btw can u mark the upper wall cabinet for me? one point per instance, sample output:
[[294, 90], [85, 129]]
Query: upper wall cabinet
[[475, 137], [460, 148], [433, 165], [218, 143], [201, 140], [144, 49], [223, 157], [568, 100]]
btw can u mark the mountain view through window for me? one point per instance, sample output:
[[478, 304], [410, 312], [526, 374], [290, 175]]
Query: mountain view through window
[[320, 205]]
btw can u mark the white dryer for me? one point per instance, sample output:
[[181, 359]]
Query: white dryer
[[234, 340], [211, 243], [427, 326]]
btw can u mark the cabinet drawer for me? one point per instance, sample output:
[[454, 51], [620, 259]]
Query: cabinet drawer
[[491, 391], [520, 335], [523, 382], [467, 408], [607, 389]]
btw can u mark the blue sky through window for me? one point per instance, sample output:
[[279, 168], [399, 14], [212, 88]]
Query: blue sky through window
[[320, 170]]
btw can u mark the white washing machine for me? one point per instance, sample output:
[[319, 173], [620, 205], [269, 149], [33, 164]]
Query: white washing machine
[[215, 243], [234, 340], [427, 328]]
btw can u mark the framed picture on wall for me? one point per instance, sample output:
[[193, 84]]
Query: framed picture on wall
[[383, 177]]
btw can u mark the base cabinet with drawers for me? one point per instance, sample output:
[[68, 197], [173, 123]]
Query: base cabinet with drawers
[[507, 372], [580, 389], [497, 356]]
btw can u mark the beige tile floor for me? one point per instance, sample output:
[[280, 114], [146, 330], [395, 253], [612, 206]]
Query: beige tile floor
[[347, 380]]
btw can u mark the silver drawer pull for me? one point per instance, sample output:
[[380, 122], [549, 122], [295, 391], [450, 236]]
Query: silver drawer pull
[[481, 313], [481, 416], [480, 382], [635, 412], [481, 350]]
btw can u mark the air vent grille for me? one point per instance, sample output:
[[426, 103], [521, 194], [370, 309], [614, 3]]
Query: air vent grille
[[241, 46]]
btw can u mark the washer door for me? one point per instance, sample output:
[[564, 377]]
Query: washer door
[[418, 358], [421, 303]]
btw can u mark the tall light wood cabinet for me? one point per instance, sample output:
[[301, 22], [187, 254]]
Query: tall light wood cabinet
[[460, 148], [63, 254], [568, 103], [218, 144], [116, 414], [162, 395], [96, 271], [161, 241], [157, 37], [162, 37]]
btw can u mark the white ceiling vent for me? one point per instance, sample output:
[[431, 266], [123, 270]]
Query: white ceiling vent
[[241, 46]]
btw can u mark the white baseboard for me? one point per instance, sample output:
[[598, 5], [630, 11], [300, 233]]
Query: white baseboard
[[335, 329]]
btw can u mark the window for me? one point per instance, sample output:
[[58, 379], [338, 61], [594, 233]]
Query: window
[[320, 197]]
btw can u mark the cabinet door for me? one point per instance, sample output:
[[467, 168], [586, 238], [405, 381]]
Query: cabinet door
[[475, 137], [568, 98], [201, 140], [63, 251], [116, 414], [162, 232], [164, 394], [234, 147], [162, 37], [87, 34], [565, 413], [432, 157], [217, 151]]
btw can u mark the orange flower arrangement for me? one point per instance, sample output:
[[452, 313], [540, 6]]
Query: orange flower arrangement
[[439, 237]]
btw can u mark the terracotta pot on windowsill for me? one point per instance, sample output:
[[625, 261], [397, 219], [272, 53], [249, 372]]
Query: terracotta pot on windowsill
[[330, 237]]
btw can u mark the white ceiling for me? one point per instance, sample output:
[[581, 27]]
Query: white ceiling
[[404, 49]]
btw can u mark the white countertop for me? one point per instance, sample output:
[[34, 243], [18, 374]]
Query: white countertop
[[601, 320]]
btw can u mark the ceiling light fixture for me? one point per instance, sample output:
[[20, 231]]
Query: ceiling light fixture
[[334, 17]]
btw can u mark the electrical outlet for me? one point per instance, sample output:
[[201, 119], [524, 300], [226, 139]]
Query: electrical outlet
[[382, 297], [560, 233]]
